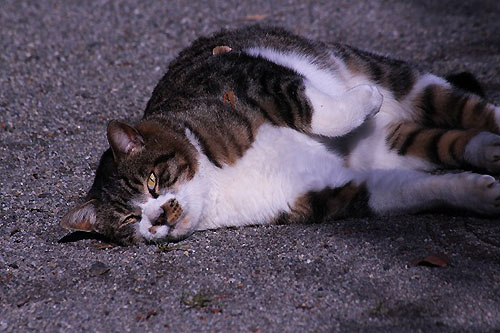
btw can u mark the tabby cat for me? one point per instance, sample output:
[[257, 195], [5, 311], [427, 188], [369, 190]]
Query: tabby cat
[[260, 126]]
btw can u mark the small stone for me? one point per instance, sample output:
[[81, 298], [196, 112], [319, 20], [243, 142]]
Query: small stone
[[85, 94], [22, 301], [14, 231], [98, 268]]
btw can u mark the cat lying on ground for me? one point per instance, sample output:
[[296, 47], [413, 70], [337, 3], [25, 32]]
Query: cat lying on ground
[[260, 126]]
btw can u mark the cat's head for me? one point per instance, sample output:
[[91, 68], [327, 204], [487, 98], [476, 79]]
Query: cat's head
[[143, 188]]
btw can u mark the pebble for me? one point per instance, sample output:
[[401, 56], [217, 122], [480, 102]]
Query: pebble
[[98, 268]]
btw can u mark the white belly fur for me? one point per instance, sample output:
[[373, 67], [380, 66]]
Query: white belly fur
[[281, 165]]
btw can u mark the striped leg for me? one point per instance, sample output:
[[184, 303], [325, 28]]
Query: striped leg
[[454, 148]]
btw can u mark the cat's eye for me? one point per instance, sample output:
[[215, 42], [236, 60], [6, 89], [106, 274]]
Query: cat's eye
[[152, 182], [129, 220]]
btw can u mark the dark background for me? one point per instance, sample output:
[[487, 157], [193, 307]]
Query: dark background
[[67, 67]]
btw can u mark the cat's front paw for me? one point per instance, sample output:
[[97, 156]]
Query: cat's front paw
[[367, 99], [172, 212], [483, 151]]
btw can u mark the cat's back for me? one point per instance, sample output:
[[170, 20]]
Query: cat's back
[[202, 68], [241, 40]]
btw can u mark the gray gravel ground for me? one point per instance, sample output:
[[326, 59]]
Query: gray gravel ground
[[67, 67]]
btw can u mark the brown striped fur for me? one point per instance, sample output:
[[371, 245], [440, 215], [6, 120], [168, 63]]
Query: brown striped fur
[[447, 119], [437, 145], [447, 107]]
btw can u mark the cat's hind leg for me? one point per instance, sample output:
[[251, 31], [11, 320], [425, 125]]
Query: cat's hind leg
[[394, 192], [407, 191], [338, 115]]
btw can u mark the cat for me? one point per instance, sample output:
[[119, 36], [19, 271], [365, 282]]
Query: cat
[[261, 126]]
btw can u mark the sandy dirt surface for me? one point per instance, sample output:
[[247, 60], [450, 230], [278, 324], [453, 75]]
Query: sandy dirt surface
[[68, 67]]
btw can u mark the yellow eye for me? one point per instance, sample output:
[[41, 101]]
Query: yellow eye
[[152, 181]]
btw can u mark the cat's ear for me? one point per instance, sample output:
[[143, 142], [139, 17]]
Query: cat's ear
[[80, 218], [123, 139]]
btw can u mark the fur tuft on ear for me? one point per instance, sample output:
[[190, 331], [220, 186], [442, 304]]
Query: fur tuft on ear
[[81, 218], [123, 139]]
